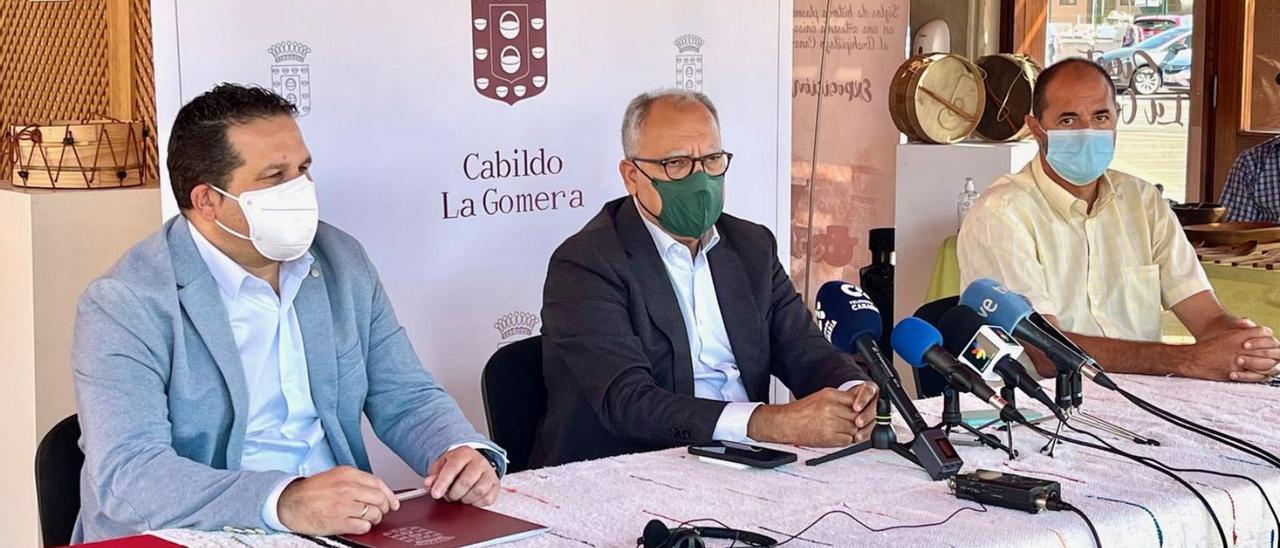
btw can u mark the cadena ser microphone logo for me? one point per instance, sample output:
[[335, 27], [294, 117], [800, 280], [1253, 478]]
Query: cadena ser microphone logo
[[509, 48]]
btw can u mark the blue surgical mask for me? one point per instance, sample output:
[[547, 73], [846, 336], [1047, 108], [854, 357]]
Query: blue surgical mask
[[1081, 155]]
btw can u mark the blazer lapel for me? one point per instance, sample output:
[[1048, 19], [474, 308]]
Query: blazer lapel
[[198, 293], [659, 296], [742, 319], [315, 317]]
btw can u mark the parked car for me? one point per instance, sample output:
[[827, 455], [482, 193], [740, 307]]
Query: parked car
[[1146, 26], [1176, 71], [1139, 66]]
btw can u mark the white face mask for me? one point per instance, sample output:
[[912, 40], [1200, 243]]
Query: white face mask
[[282, 219]]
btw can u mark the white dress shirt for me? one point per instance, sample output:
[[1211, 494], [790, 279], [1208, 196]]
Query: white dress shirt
[[715, 371], [284, 431]]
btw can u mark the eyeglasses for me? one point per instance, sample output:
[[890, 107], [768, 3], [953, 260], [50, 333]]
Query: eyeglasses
[[679, 167]]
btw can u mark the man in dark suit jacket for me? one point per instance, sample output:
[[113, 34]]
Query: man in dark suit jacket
[[664, 319]]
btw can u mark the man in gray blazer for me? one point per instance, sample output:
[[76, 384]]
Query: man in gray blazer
[[223, 364], [664, 319]]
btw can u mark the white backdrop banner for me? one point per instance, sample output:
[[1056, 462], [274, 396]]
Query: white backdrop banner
[[462, 141]]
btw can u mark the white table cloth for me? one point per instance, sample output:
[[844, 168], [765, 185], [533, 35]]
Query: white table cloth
[[609, 501]]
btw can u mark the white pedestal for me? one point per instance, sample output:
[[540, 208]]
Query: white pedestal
[[930, 179], [52, 244]]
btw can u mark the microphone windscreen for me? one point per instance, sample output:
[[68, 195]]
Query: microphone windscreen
[[996, 304], [655, 534], [912, 338], [846, 313], [958, 327]]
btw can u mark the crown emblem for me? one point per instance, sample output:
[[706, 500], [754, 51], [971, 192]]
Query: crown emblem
[[289, 50], [516, 323], [689, 43]]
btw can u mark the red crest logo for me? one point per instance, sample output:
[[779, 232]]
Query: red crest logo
[[509, 41]]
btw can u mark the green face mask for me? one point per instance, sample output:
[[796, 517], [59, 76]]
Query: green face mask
[[690, 206]]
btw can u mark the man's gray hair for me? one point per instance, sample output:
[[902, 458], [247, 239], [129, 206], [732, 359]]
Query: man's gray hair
[[638, 111]]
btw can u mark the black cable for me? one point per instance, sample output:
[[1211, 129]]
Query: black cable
[[1063, 505], [1216, 435], [1261, 490], [1222, 533], [982, 509], [1192, 426]]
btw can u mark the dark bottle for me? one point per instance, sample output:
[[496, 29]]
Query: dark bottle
[[876, 280]]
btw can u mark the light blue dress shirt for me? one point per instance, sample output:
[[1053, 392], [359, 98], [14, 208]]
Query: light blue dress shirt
[[715, 370], [284, 431]]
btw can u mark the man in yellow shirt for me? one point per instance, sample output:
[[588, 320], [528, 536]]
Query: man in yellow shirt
[[1099, 253]]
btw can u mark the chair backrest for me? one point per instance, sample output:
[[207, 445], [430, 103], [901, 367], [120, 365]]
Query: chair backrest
[[930, 383], [515, 398], [58, 464]]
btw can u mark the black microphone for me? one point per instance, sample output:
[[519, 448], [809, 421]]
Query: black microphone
[[966, 334], [920, 344], [850, 321], [1011, 312]]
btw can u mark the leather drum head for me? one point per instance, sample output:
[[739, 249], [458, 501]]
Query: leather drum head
[[1009, 80], [943, 98]]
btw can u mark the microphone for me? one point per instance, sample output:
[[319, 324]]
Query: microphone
[[966, 333], [976, 344], [920, 343], [1011, 312], [850, 321]]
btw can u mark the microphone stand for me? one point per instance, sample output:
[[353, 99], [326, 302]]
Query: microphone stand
[[1068, 393], [929, 449], [1062, 397], [1089, 419], [882, 436], [952, 418]]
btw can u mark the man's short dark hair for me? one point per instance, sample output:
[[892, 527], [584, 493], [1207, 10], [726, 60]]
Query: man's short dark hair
[[1050, 74], [199, 152]]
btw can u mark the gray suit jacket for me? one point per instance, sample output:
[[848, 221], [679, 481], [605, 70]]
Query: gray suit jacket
[[162, 396]]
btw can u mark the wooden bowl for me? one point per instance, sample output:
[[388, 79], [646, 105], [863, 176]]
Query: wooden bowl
[[1215, 234], [1199, 213]]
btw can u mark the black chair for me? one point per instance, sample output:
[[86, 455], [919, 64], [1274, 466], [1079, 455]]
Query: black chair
[[58, 464], [930, 383], [515, 398]]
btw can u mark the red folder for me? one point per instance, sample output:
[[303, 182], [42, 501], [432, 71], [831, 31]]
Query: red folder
[[424, 521], [140, 541]]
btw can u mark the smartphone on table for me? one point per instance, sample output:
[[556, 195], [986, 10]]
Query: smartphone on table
[[741, 453]]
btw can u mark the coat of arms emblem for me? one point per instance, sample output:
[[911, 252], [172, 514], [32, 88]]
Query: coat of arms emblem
[[291, 76], [509, 48], [689, 62]]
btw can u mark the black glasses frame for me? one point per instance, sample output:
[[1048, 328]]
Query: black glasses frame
[[666, 164]]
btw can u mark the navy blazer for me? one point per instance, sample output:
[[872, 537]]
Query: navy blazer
[[615, 351]]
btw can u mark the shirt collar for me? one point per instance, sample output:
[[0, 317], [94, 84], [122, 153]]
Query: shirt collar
[[1065, 202], [665, 242], [229, 275]]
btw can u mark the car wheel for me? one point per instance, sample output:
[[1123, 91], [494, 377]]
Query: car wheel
[[1146, 80]]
